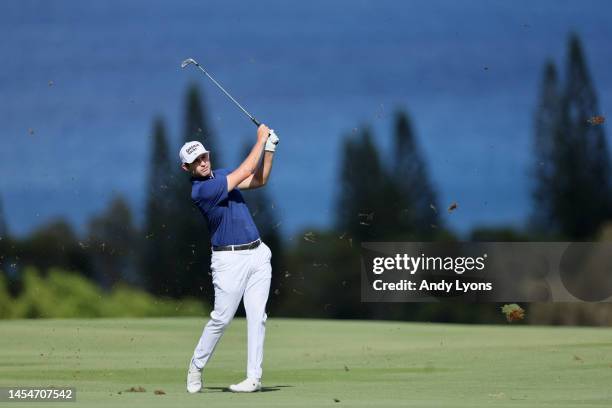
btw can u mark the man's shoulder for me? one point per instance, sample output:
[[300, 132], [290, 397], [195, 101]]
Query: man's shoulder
[[203, 187]]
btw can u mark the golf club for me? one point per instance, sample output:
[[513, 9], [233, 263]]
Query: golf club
[[191, 61]]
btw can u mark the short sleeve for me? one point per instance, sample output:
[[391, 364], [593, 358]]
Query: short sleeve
[[210, 193]]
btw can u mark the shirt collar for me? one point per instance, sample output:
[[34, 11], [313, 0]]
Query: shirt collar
[[212, 176]]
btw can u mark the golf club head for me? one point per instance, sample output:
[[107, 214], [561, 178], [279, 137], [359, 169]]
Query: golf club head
[[188, 61]]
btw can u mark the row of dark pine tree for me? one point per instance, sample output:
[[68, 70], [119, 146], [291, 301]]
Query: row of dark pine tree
[[380, 196]]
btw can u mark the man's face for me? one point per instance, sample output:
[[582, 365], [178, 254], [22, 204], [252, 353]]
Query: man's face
[[200, 166]]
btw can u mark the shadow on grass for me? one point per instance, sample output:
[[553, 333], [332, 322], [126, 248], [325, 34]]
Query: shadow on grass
[[263, 389]]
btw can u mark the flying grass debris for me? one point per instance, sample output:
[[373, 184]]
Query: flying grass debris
[[136, 389], [596, 120], [513, 312], [310, 237]]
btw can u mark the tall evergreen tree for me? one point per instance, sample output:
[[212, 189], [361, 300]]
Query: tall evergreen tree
[[156, 263], [191, 250], [413, 210], [365, 191], [546, 133], [112, 244], [573, 192], [196, 125], [586, 197]]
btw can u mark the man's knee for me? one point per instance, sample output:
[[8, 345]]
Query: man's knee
[[220, 319]]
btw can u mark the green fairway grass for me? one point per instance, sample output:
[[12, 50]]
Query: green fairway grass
[[312, 363]]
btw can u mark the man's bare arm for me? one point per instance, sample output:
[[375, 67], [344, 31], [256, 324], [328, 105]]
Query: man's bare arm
[[261, 176], [249, 166]]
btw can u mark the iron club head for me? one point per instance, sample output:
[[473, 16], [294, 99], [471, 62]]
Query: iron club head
[[188, 61]]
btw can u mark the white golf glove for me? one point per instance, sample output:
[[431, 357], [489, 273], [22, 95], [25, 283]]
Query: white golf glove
[[271, 142]]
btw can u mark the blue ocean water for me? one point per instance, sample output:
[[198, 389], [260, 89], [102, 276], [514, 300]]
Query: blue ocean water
[[82, 81]]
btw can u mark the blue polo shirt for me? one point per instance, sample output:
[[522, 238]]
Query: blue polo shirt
[[228, 217]]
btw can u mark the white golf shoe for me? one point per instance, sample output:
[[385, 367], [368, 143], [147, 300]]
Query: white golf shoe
[[194, 379], [248, 385]]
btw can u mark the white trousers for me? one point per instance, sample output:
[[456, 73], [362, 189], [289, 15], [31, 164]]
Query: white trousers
[[236, 275]]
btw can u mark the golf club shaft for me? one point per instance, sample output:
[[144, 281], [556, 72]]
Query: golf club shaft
[[255, 121]]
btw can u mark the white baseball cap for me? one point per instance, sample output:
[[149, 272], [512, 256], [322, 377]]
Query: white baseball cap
[[190, 151]]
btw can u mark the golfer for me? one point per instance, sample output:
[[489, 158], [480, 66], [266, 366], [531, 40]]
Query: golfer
[[240, 262]]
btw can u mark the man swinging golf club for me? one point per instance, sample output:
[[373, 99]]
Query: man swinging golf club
[[240, 262]]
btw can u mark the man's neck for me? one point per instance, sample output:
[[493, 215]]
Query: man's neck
[[210, 176]]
